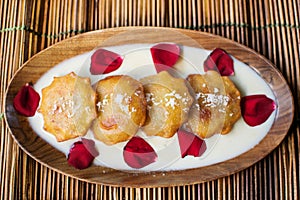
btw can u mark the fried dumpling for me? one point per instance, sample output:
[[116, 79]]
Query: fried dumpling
[[217, 104], [121, 108], [68, 106], [168, 104]]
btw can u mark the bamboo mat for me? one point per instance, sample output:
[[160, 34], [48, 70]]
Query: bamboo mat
[[270, 27]]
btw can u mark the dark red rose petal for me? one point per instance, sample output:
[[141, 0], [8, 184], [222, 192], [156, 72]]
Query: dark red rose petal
[[138, 153], [256, 109], [190, 144], [220, 61], [104, 61], [82, 154], [211, 61], [164, 55], [90, 146], [26, 101], [225, 65]]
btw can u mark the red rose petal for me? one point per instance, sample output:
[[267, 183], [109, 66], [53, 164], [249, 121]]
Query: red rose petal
[[211, 61], [220, 61], [138, 153], [104, 61], [256, 109], [90, 146], [82, 154], [225, 65], [164, 55], [190, 144], [26, 101]]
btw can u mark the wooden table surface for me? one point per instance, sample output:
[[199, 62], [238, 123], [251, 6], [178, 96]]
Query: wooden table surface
[[270, 28]]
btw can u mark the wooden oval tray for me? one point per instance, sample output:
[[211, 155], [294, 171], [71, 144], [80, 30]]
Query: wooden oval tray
[[44, 153]]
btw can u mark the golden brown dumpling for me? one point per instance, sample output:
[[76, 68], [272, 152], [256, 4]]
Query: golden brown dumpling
[[121, 109], [217, 105], [68, 106], [168, 103]]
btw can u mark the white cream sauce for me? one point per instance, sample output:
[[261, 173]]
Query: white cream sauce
[[138, 64]]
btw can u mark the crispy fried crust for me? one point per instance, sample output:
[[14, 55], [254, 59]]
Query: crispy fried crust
[[168, 103], [217, 105], [121, 108], [68, 106]]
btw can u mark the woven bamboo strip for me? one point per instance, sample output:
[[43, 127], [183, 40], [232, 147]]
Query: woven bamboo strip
[[260, 175], [30, 7], [262, 22], [131, 13], [189, 191], [256, 182], [158, 13], [213, 8], [293, 49], [142, 12], [237, 186], [252, 23], [268, 45], [162, 13], [12, 59], [148, 13], [69, 15], [175, 12], [205, 190], [284, 170], [5, 167], [170, 19], [181, 14], [231, 19], [61, 20], [53, 19], [137, 13], [292, 163], [36, 26], [209, 15], [236, 18], [272, 44], [43, 27], [91, 15], [257, 43], [242, 19], [296, 171], [152, 13], [192, 14], [57, 10], [283, 39], [184, 17], [2, 151], [183, 190], [278, 61]]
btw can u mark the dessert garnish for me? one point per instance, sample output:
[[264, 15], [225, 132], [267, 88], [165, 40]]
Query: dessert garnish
[[82, 153], [219, 60], [256, 109], [164, 55], [104, 61], [26, 101], [190, 144], [138, 153]]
